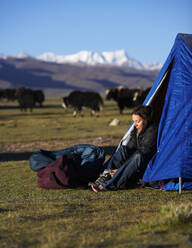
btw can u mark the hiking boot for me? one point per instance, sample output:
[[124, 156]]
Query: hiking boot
[[105, 176]]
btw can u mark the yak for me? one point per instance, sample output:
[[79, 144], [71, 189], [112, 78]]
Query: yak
[[126, 97], [80, 99]]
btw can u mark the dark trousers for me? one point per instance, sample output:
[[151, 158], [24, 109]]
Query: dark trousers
[[131, 167]]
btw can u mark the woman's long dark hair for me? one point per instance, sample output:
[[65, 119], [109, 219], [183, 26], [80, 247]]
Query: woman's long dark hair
[[146, 112]]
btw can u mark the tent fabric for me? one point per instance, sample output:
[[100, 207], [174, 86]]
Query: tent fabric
[[171, 97], [174, 145], [172, 185]]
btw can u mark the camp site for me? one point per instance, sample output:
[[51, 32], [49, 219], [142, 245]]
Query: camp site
[[146, 215]]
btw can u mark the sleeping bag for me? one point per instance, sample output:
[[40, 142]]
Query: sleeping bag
[[71, 167]]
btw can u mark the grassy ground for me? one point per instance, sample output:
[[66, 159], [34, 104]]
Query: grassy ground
[[54, 123], [33, 217]]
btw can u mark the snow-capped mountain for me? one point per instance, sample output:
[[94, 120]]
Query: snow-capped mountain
[[2, 56], [17, 56], [118, 58], [57, 79], [22, 56]]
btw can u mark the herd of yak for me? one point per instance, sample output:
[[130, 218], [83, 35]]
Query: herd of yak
[[124, 97], [26, 97]]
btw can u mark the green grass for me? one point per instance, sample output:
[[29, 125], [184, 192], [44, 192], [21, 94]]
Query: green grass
[[53, 122], [33, 217]]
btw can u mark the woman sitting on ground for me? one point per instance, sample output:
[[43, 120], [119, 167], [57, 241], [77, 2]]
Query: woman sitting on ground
[[129, 162]]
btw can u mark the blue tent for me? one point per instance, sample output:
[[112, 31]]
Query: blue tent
[[171, 97]]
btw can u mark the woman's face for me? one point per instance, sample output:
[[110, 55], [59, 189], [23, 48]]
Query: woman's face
[[139, 122]]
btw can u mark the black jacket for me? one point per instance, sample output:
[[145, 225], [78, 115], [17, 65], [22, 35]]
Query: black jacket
[[144, 143]]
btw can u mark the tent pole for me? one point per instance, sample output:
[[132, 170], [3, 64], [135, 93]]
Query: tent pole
[[180, 182]]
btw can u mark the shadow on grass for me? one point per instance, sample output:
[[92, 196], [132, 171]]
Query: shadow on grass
[[18, 156], [49, 106], [15, 156]]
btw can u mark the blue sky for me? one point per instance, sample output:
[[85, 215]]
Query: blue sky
[[145, 29]]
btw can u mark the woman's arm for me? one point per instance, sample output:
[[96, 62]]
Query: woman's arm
[[147, 143]]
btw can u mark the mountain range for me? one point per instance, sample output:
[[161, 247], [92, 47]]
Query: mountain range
[[86, 70], [118, 58]]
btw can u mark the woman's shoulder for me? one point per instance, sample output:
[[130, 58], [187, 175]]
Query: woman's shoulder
[[153, 128]]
